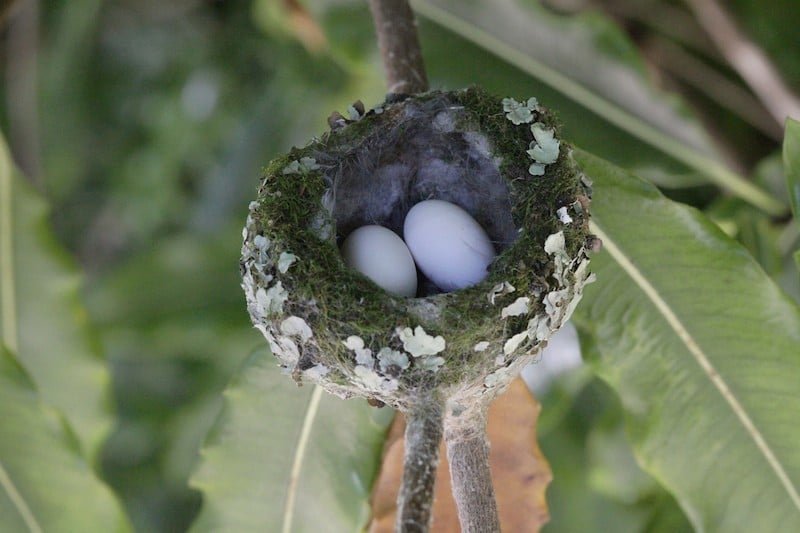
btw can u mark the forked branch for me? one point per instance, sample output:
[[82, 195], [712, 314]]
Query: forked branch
[[420, 460]]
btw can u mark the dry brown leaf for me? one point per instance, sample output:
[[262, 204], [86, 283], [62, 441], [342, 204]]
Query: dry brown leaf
[[305, 28], [519, 470]]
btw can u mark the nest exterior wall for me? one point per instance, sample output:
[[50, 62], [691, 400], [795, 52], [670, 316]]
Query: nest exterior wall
[[330, 325]]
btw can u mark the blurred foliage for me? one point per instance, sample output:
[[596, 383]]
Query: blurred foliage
[[154, 119], [41, 458], [75, 382]]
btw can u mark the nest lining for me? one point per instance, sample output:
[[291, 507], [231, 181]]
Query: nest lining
[[422, 153]]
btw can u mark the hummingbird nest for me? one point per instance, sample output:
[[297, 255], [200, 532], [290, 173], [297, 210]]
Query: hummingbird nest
[[502, 162]]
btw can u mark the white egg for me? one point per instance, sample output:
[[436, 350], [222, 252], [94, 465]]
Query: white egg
[[382, 256], [448, 245]]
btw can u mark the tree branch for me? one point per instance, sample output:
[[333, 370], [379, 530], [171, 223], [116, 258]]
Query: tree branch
[[468, 454], [7, 8], [22, 36], [678, 62], [421, 458], [747, 59], [399, 45]]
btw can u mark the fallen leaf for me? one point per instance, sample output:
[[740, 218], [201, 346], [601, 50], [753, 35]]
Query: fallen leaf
[[519, 470], [305, 28]]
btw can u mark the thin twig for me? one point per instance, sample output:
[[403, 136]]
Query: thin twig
[[747, 59], [669, 20], [7, 8], [20, 77], [684, 66], [468, 454], [405, 74], [420, 460], [399, 44]]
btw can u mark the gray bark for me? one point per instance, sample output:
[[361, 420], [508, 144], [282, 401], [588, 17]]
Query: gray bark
[[399, 45]]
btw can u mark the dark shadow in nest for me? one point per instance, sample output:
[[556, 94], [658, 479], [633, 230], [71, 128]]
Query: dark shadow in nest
[[425, 150]]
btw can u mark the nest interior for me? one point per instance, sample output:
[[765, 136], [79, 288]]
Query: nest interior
[[425, 150]]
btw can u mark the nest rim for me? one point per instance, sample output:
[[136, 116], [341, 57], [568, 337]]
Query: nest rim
[[466, 317]]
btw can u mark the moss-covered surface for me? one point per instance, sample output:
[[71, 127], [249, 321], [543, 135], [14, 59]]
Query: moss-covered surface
[[337, 302]]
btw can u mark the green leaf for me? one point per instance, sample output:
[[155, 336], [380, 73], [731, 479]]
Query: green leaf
[[572, 56], [41, 318], [68, 94], [791, 164], [702, 348], [174, 330], [288, 459], [567, 448], [45, 482]]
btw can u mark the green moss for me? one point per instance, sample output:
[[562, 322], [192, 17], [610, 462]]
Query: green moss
[[338, 302]]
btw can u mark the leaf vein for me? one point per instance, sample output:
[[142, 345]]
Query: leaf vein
[[18, 501], [8, 328], [715, 171], [299, 456], [699, 355]]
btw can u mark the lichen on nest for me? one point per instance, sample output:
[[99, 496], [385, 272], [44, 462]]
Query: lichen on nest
[[500, 160]]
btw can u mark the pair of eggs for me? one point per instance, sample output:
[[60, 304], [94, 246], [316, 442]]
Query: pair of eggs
[[441, 238]]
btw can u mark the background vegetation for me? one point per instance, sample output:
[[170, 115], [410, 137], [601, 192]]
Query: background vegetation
[[139, 128]]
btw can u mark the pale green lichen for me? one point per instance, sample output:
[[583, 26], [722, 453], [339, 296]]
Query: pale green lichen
[[353, 342], [270, 301], [519, 307], [481, 346], [301, 166], [321, 226], [292, 168], [286, 349], [431, 364], [492, 380], [316, 372], [261, 245], [372, 381], [520, 112], [419, 343], [294, 326], [571, 275], [499, 377], [513, 343], [285, 261], [500, 289], [544, 149], [388, 358], [555, 245], [539, 329], [563, 215], [587, 183], [363, 355], [368, 378], [352, 113], [536, 169]]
